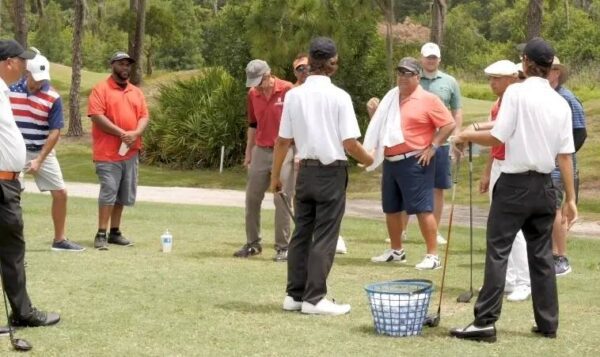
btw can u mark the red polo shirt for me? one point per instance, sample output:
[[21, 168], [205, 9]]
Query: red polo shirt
[[497, 152], [122, 106], [266, 112]]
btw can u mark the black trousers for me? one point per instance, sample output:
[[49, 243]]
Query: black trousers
[[520, 201], [319, 207], [12, 248]]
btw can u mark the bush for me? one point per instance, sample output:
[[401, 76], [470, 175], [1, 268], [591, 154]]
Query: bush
[[194, 118]]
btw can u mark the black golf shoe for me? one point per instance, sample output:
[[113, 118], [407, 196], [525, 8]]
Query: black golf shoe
[[475, 333], [118, 239], [35, 319], [100, 242], [537, 331], [248, 250]]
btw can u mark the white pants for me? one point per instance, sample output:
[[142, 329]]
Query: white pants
[[517, 272]]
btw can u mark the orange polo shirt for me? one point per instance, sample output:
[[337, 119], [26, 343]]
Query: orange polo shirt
[[421, 113], [266, 112], [122, 106]]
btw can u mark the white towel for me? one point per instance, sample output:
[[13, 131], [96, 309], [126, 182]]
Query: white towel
[[384, 128]]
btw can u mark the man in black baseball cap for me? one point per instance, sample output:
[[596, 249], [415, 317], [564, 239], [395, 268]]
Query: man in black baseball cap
[[120, 55], [11, 48], [539, 51]]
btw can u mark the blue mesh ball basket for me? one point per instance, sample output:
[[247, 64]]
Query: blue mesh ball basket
[[399, 307]]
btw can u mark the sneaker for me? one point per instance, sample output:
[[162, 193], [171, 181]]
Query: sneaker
[[340, 247], [390, 255], [430, 262], [100, 242], [440, 239], [35, 319], [248, 250], [67, 246], [289, 304], [520, 293], [325, 307], [561, 265], [281, 255], [118, 239], [475, 333]]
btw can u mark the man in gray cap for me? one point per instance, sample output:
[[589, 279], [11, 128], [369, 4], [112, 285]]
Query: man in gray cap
[[409, 166], [534, 123], [264, 107], [320, 119], [12, 161]]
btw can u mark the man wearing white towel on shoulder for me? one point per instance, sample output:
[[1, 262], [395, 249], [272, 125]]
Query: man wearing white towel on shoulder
[[408, 156]]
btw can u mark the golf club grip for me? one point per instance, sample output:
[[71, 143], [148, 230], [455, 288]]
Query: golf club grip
[[286, 203]]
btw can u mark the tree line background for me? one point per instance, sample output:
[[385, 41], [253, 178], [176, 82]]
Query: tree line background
[[219, 37]]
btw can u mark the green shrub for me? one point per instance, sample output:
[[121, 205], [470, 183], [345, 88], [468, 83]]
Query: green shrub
[[194, 118]]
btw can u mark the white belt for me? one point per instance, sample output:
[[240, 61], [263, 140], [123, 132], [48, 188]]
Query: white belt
[[403, 156]]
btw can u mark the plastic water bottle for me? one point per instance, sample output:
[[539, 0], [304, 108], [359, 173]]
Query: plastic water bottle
[[166, 240]]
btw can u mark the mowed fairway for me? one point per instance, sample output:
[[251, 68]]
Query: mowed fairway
[[200, 301]]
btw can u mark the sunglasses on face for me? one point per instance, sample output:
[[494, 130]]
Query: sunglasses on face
[[301, 68], [404, 73]]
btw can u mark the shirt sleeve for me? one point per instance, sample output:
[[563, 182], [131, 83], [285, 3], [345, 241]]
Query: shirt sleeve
[[96, 104], [250, 108], [285, 125], [578, 113], [438, 113], [455, 100], [348, 123], [506, 121], [567, 145], [143, 107], [56, 119]]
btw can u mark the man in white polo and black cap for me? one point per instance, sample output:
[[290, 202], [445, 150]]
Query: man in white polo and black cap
[[534, 123], [38, 110], [264, 107], [319, 117]]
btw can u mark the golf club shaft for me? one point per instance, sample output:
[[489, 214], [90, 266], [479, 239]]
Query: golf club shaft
[[471, 213], [286, 203], [8, 322]]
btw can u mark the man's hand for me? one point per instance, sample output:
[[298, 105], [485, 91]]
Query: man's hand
[[458, 143], [569, 213], [426, 155], [33, 166], [484, 183], [129, 137], [372, 105], [247, 159], [276, 185]]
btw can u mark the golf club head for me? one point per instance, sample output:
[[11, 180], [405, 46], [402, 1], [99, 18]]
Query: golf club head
[[465, 297], [432, 321], [20, 344]]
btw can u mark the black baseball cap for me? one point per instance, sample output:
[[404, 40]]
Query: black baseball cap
[[121, 55], [322, 48], [410, 64], [11, 48], [539, 51]]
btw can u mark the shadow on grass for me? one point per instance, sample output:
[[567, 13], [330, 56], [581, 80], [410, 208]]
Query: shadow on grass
[[246, 307], [479, 266]]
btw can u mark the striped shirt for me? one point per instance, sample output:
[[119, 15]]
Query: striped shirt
[[578, 117], [36, 113]]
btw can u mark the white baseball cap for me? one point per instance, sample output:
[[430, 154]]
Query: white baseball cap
[[39, 67], [503, 68], [431, 49]]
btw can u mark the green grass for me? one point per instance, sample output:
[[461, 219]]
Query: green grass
[[200, 301]]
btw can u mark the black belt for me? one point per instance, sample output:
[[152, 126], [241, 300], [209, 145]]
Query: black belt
[[529, 173], [311, 162]]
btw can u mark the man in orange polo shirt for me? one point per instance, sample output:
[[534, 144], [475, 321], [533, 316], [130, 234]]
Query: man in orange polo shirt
[[264, 106], [408, 168], [119, 117]]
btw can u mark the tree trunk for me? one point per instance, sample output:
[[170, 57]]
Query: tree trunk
[[39, 6], [20, 13], [138, 45], [149, 58], [133, 8], [75, 128], [438, 18], [535, 12]]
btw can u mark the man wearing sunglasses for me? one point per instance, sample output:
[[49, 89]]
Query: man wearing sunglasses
[[300, 65]]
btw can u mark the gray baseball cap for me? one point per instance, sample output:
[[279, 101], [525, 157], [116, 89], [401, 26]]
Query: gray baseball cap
[[255, 70], [121, 55], [410, 64]]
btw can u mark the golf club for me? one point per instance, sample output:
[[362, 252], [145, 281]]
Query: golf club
[[434, 320], [467, 295], [286, 203], [17, 343]]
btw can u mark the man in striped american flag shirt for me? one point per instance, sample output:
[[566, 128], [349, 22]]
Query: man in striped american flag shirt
[[37, 108]]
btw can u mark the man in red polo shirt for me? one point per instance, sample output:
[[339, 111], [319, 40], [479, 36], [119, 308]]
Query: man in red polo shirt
[[119, 117], [264, 106]]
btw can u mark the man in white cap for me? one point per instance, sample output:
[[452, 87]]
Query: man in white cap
[[38, 111], [264, 108], [502, 74]]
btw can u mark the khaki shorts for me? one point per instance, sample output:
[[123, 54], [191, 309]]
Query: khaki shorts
[[49, 177]]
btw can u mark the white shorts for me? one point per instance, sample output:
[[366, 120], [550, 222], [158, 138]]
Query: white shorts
[[49, 176]]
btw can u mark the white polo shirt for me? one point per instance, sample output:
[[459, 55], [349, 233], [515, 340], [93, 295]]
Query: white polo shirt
[[319, 116], [12, 146], [534, 122]]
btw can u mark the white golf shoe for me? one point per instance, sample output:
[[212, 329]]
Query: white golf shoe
[[430, 262], [520, 293], [325, 307], [440, 239], [289, 304], [341, 248], [390, 255]]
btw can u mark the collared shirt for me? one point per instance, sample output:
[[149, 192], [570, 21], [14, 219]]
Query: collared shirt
[[319, 116], [445, 87], [578, 117], [421, 114], [266, 112], [12, 146], [36, 113], [535, 124], [498, 150], [122, 106]]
